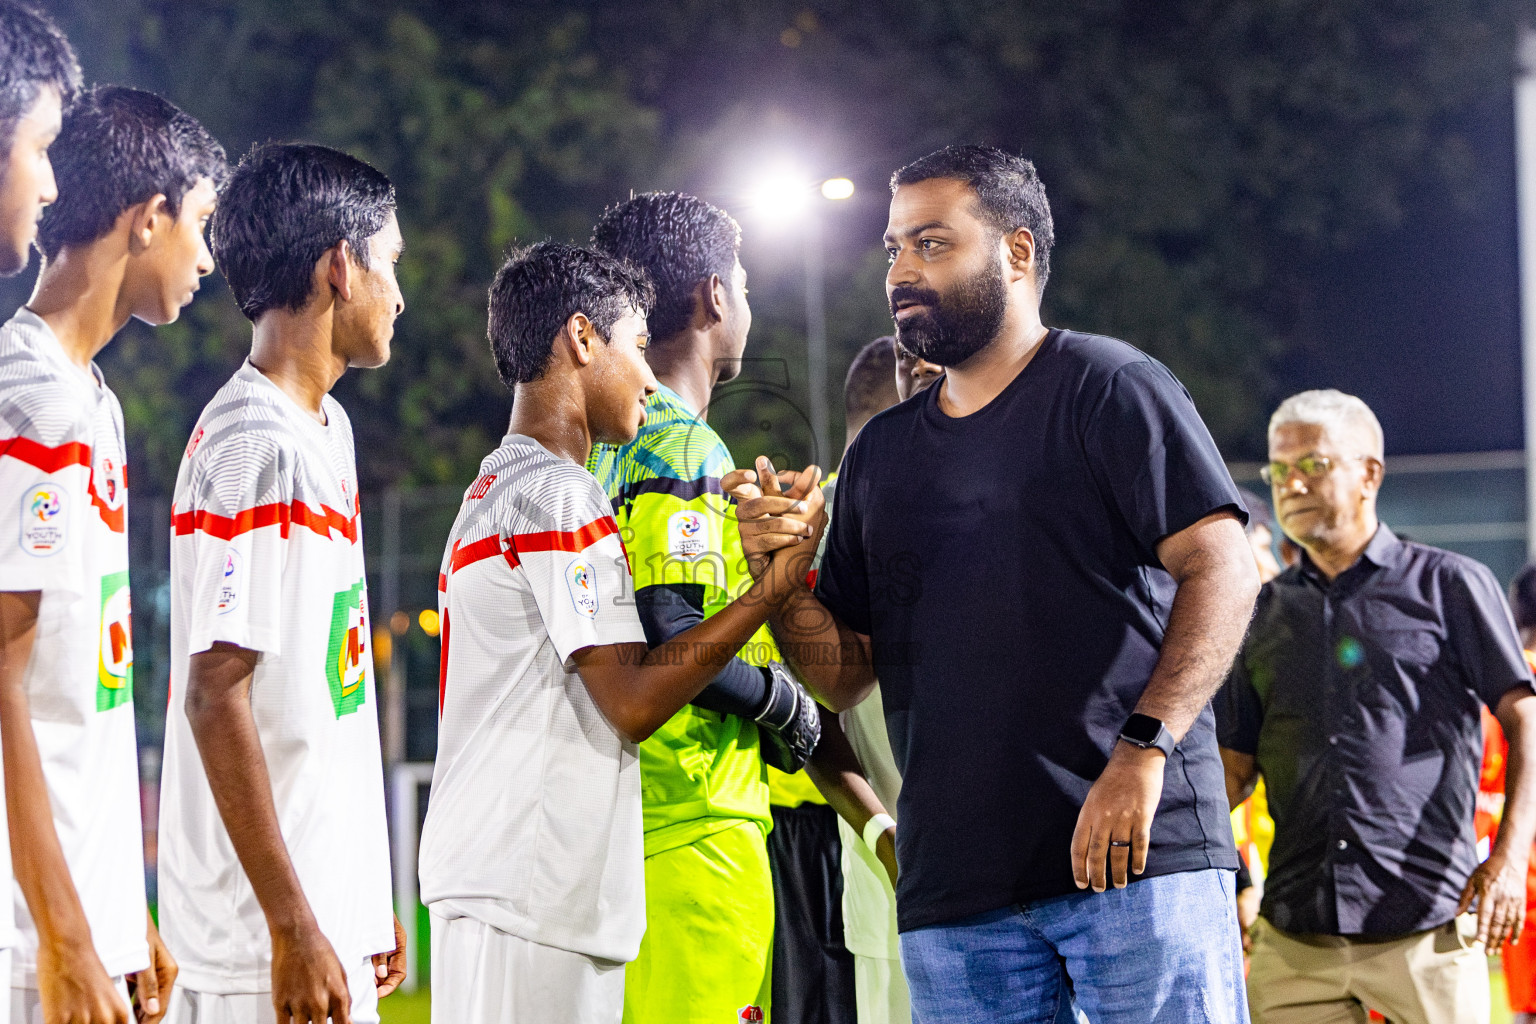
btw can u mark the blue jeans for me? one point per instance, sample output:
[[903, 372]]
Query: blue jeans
[[1163, 950]]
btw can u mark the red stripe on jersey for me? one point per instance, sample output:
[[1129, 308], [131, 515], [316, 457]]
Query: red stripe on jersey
[[469, 554], [47, 459], [442, 666], [44, 458], [326, 520], [230, 527], [550, 540], [442, 583], [116, 519], [559, 540]]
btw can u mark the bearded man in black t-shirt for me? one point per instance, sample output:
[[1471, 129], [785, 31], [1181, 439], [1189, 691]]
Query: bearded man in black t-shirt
[[1042, 558]]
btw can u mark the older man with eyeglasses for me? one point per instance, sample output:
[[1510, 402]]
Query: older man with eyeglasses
[[1356, 696]]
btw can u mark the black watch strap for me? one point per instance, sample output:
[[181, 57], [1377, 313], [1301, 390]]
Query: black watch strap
[[1147, 732]]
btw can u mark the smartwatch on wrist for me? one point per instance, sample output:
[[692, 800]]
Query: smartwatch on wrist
[[1146, 732]]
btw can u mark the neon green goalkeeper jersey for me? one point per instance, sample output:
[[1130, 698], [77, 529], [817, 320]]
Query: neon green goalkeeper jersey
[[701, 773]]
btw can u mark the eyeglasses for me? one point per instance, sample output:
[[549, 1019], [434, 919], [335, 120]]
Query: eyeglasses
[[1310, 466]]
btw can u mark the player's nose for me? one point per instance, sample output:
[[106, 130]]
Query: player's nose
[[48, 187]]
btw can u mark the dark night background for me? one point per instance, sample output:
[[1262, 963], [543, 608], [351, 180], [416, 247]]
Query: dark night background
[[1422, 321], [1265, 194], [1268, 195]]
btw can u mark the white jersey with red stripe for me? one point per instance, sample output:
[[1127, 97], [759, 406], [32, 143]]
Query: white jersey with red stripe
[[64, 532], [267, 554], [534, 826]]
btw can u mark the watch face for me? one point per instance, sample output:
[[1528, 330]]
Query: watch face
[[1142, 729]]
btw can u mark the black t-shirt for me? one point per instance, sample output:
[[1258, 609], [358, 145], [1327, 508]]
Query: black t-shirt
[[1004, 565]]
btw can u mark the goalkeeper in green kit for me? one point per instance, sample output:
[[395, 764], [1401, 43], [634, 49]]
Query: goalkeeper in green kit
[[707, 952]]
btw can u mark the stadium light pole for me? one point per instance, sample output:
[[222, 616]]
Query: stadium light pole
[[1525, 186], [788, 198]]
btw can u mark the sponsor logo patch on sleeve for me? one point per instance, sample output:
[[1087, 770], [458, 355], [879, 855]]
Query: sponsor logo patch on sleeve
[[44, 524], [581, 581], [229, 583], [686, 535]]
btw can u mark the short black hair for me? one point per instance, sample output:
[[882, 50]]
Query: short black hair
[[678, 240], [1522, 597], [1007, 188], [34, 54], [870, 386], [542, 286], [284, 206], [119, 147]]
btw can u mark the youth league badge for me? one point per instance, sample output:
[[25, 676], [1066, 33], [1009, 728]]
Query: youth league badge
[[685, 534], [581, 581], [229, 583], [44, 524]]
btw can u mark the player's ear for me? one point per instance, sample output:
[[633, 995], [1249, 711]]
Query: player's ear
[[580, 337], [336, 264], [146, 219], [711, 297]]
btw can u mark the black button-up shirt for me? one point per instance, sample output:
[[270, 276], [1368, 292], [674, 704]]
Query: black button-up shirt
[[1360, 700]]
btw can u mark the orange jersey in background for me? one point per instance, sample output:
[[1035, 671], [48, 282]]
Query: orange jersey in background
[[1519, 960]]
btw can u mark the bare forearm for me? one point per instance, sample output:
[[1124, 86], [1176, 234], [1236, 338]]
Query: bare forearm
[[835, 769], [674, 672], [1205, 629], [1241, 774], [832, 660], [37, 858], [639, 689], [226, 736], [1517, 828]]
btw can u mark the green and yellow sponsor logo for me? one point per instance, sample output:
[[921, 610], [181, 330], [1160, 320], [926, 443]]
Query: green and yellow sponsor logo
[[114, 661], [346, 664]]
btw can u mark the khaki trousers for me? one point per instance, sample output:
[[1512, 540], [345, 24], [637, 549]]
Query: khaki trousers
[[1433, 977]]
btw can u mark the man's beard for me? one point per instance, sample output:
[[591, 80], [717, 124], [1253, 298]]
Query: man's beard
[[955, 326]]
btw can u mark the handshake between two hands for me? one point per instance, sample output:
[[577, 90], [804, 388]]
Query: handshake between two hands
[[781, 516]]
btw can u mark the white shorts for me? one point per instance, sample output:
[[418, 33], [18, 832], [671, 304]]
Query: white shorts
[[5, 1005], [191, 1007], [481, 975], [26, 1005]]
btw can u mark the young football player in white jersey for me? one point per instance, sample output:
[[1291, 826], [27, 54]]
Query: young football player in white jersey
[[274, 857], [137, 183], [532, 858], [39, 77]]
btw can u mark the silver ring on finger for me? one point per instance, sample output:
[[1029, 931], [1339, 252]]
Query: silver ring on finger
[[1119, 842]]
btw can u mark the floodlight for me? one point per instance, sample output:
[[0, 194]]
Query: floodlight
[[781, 195], [837, 188]]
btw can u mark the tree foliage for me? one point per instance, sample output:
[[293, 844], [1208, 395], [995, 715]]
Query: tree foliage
[[490, 140], [1201, 156]]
